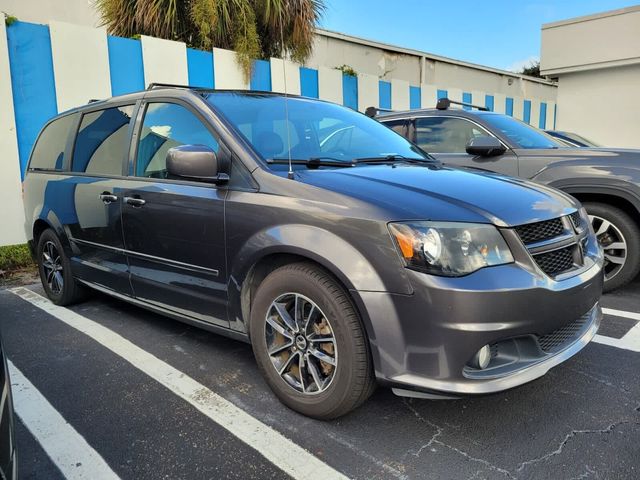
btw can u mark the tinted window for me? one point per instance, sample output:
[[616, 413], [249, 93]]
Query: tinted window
[[398, 126], [102, 140], [315, 129], [48, 152], [521, 134], [168, 125], [446, 134]]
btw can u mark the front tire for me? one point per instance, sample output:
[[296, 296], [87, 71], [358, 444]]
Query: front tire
[[309, 342], [55, 271], [619, 236]]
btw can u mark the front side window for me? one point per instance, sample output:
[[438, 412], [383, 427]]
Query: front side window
[[48, 152], [446, 134], [521, 134], [306, 129], [102, 141], [168, 125]]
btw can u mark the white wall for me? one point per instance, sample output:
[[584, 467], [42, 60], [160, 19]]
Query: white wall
[[79, 12], [603, 105], [12, 213], [595, 41], [80, 64]]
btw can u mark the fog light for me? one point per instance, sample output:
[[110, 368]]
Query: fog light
[[482, 358]]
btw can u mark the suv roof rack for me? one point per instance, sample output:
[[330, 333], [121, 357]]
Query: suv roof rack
[[153, 85], [373, 111], [445, 103]]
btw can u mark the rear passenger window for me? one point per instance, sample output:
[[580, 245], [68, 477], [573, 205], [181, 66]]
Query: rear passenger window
[[446, 134], [48, 153], [101, 144], [168, 125]]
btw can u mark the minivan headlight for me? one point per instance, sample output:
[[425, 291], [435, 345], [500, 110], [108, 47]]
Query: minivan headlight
[[449, 249]]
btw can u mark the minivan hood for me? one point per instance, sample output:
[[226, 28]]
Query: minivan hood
[[434, 192]]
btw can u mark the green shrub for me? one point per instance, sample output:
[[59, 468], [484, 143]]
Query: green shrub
[[9, 19], [13, 257]]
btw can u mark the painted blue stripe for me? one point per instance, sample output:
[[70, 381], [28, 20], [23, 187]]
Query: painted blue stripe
[[309, 82], [350, 91], [489, 102], [467, 98], [261, 76], [384, 94], [508, 106], [543, 116], [125, 65], [200, 68], [415, 97], [527, 111], [555, 112], [34, 91], [442, 94]]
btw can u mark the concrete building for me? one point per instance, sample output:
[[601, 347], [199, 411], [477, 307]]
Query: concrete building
[[596, 61], [387, 62]]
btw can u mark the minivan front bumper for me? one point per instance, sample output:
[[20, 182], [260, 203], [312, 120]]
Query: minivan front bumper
[[422, 343]]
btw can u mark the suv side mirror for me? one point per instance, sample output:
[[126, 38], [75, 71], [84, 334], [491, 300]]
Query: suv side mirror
[[485, 147], [196, 162]]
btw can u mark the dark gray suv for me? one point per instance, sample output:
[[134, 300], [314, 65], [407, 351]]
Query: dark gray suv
[[605, 180], [345, 255]]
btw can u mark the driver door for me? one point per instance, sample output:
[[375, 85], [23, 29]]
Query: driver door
[[446, 138]]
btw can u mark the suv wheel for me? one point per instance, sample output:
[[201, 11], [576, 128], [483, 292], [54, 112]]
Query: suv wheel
[[309, 342], [619, 236], [55, 271]]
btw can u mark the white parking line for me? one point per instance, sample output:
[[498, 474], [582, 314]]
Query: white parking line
[[630, 340], [68, 450], [276, 448]]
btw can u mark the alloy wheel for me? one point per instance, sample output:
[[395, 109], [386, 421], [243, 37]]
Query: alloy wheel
[[613, 243], [301, 343], [52, 266]]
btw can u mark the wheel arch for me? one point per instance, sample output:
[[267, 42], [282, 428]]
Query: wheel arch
[[621, 199]]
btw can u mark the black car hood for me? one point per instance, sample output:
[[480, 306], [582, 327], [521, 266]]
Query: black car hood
[[445, 194]]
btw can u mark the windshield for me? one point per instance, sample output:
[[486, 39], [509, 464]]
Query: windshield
[[523, 135], [315, 130]]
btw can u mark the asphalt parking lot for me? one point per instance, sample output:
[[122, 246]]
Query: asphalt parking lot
[[107, 390]]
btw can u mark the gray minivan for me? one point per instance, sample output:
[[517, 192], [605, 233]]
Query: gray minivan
[[346, 255]]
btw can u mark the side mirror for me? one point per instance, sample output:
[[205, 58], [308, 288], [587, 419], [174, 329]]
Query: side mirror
[[196, 162], [485, 147]]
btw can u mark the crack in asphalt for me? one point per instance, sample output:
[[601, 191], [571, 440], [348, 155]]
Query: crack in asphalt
[[566, 439], [439, 432], [586, 474], [600, 380]]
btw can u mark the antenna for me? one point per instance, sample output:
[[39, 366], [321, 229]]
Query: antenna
[[286, 103]]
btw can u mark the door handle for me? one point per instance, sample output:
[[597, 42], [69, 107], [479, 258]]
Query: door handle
[[107, 198], [134, 202]]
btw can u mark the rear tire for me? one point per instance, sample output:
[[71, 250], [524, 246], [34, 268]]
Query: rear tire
[[55, 271], [296, 373], [614, 226]]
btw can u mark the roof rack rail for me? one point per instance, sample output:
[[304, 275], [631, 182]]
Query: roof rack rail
[[153, 85], [373, 111], [445, 103]]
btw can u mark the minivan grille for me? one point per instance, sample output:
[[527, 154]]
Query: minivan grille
[[555, 257], [562, 336], [576, 220], [556, 261], [539, 231]]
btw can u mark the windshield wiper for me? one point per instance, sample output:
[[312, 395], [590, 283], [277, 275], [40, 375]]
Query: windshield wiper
[[313, 162], [392, 158]]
